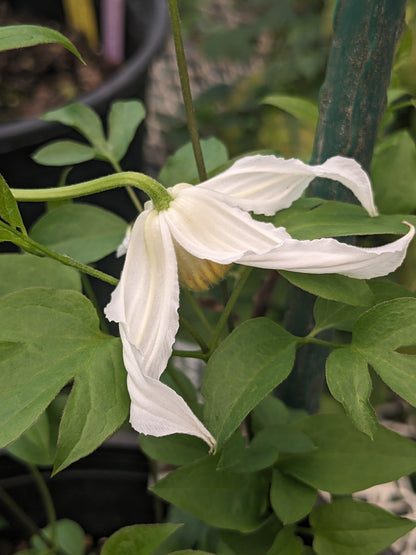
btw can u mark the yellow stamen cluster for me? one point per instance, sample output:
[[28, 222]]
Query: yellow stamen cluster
[[198, 274]]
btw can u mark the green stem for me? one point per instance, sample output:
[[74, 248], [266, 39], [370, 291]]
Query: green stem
[[321, 342], [37, 247], [194, 334], [186, 88], [25, 520], [133, 197], [190, 354], [155, 190], [47, 500], [222, 322]]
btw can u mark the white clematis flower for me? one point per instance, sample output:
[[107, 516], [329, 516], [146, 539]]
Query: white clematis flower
[[193, 240]]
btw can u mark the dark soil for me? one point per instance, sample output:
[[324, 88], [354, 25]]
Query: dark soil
[[37, 79]]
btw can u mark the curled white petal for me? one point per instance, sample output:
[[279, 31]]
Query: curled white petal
[[156, 409], [146, 300], [266, 184], [328, 256], [205, 225], [122, 248]]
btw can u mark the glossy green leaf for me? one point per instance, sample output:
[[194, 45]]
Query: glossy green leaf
[[291, 500], [82, 118], [70, 538], [286, 543], [63, 153], [334, 287], [393, 173], [9, 211], [217, 497], [303, 110], [346, 460], [82, 231], [181, 166], [20, 36], [176, 449], [124, 118], [263, 353], [61, 339], [19, 271], [350, 383], [349, 527], [140, 539]]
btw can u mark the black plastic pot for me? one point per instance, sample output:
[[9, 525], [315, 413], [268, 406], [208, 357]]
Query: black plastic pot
[[102, 492], [146, 25]]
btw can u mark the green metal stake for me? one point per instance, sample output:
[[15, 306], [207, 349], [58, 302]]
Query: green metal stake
[[352, 102]]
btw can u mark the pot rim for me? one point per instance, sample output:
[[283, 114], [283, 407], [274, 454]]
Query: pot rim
[[12, 132]]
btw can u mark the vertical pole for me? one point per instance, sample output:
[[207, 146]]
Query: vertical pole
[[352, 103]]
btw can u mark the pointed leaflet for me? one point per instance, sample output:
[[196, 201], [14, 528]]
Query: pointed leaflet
[[349, 527], [123, 120], [217, 497], [140, 539], [291, 500], [379, 332], [349, 382], [252, 361], [82, 231], [60, 338], [345, 460], [63, 153], [9, 212], [19, 36]]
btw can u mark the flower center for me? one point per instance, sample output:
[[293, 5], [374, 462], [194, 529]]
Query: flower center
[[196, 273]]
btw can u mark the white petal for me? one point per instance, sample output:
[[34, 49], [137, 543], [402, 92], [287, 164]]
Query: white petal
[[147, 298], [205, 225], [156, 409], [266, 184], [327, 256]]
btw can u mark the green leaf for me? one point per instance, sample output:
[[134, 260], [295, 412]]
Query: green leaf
[[123, 120], [286, 543], [334, 287], [140, 539], [332, 314], [253, 543], [62, 341], [390, 325], [394, 161], [346, 460], [9, 211], [291, 500], [263, 353], [303, 110], [84, 232], [349, 383], [20, 36], [349, 527], [381, 330], [217, 497], [20, 271], [84, 120], [70, 538], [37, 445], [176, 449], [63, 153], [181, 166], [336, 219], [271, 411]]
